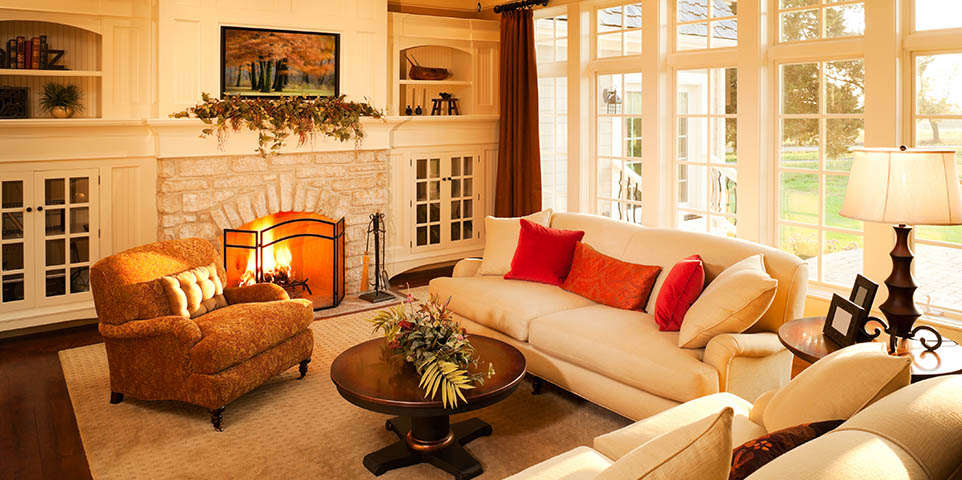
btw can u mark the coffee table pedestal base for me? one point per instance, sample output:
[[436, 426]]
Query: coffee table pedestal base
[[430, 440]]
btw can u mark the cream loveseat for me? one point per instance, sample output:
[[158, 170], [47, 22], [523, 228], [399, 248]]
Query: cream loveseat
[[618, 358]]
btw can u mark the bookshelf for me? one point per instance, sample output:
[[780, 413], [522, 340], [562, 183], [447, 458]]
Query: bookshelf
[[82, 56]]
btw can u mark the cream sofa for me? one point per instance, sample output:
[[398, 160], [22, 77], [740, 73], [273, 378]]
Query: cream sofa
[[618, 358], [914, 433]]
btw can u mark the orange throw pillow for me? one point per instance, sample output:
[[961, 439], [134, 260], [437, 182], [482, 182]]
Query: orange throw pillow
[[610, 281]]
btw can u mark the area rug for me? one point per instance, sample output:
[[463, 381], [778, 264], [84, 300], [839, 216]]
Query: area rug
[[301, 429], [355, 304]]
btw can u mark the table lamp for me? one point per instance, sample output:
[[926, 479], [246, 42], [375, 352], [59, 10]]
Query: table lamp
[[903, 187]]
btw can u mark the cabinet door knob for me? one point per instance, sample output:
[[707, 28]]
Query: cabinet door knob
[[40, 209], [29, 209]]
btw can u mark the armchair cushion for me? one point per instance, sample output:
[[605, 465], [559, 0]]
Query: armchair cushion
[[258, 292], [235, 333], [194, 292]]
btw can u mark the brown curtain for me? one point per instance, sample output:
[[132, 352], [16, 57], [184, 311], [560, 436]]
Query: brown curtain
[[519, 156]]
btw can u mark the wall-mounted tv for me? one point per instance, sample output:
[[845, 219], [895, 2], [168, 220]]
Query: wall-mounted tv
[[259, 62]]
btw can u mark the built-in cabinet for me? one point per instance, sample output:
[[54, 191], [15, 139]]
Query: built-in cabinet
[[50, 236], [447, 199]]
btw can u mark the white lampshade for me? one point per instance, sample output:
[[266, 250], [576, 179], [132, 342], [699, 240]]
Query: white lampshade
[[912, 187]]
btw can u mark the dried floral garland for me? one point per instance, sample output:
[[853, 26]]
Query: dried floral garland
[[429, 337], [276, 118]]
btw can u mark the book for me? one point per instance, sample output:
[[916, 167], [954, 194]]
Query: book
[[28, 54], [21, 51], [35, 53], [43, 52], [12, 53]]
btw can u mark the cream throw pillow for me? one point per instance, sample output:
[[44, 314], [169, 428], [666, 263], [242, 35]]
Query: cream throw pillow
[[501, 240], [701, 450], [835, 387], [194, 292], [731, 303]]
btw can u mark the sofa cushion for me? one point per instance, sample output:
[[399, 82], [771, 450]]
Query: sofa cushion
[[626, 346], [616, 444], [501, 240], [610, 281], [848, 455], [684, 284], [507, 306], [701, 450], [194, 292], [837, 386], [235, 333], [543, 254], [581, 463], [758, 452], [731, 303], [924, 419]]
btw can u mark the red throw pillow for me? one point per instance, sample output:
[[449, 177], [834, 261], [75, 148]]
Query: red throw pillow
[[754, 454], [610, 281], [543, 254], [682, 287]]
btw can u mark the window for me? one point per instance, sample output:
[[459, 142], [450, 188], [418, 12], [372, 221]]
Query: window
[[551, 45], [937, 122], [816, 19], [937, 14], [705, 153], [619, 30], [820, 118], [618, 138], [553, 125], [706, 24], [551, 39]]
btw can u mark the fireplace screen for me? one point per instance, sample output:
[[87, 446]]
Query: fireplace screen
[[302, 252]]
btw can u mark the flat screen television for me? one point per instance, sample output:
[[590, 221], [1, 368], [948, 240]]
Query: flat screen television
[[260, 62]]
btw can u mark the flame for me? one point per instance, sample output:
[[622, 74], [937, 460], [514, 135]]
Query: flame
[[277, 265]]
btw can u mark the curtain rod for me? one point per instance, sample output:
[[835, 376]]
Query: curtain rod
[[507, 7]]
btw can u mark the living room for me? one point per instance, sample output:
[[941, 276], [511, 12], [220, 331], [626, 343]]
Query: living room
[[537, 239]]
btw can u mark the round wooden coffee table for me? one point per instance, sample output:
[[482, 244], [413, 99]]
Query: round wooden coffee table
[[369, 376], [803, 337]]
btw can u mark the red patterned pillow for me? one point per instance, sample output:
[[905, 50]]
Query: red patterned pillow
[[610, 281], [682, 287], [754, 454], [543, 254]]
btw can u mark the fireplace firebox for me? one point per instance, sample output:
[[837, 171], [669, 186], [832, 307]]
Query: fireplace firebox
[[300, 251]]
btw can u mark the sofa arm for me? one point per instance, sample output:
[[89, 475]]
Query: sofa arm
[[256, 293], [182, 328], [467, 267], [749, 364]]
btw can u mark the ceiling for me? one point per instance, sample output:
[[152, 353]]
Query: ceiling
[[458, 5]]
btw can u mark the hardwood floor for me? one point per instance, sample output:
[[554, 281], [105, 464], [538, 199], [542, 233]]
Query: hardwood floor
[[39, 438]]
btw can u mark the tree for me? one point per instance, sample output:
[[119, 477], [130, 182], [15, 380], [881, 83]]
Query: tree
[[927, 102]]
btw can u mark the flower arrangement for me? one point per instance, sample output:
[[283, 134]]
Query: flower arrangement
[[431, 339], [276, 118]]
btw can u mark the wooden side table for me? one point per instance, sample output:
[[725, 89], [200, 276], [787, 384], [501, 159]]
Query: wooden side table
[[803, 337]]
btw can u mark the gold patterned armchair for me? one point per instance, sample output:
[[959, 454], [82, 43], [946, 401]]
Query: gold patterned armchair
[[154, 353]]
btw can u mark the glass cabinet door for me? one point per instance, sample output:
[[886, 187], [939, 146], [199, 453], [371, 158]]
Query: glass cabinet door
[[16, 219], [427, 201], [461, 190], [67, 232]]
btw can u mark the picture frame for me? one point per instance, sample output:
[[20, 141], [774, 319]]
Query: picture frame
[[265, 62], [843, 322], [863, 293]]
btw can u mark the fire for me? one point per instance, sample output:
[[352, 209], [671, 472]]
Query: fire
[[277, 267]]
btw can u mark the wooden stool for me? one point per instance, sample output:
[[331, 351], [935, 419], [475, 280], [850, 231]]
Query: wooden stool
[[438, 103], [436, 106]]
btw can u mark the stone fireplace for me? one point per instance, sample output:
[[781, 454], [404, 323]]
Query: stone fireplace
[[203, 196]]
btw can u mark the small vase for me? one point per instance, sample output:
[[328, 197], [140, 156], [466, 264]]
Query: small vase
[[61, 112]]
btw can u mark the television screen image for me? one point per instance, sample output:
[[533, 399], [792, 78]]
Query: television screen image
[[262, 62]]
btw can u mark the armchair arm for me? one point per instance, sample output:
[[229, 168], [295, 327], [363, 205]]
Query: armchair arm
[[181, 328], [749, 364], [259, 292], [467, 267]]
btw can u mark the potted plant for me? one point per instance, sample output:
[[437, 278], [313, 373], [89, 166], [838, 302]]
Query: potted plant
[[61, 101]]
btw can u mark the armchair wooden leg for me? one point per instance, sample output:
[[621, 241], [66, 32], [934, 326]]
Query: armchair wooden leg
[[116, 397], [302, 368], [216, 416]]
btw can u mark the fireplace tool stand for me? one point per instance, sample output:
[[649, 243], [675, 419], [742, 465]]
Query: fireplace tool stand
[[376, 229]]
